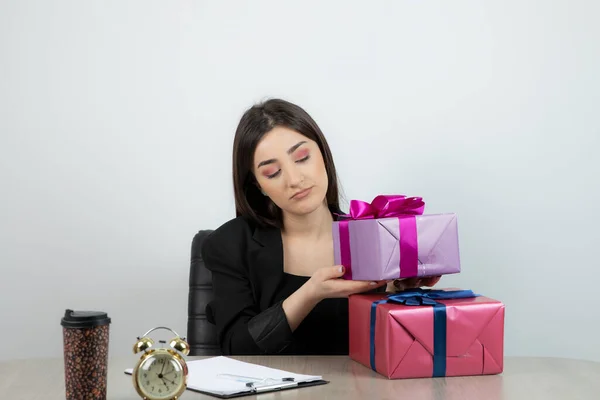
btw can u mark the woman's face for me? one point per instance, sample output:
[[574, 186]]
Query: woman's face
[[289, 169]]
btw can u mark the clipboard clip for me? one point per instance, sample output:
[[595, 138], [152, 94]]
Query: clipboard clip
[[261, 384]]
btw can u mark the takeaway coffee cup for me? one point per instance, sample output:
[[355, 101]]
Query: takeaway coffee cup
[[85, 345]]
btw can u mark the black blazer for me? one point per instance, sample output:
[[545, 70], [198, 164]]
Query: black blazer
[[246, 264]]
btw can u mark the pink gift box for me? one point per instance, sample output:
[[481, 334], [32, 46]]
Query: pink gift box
[[399, 341], [389, 238]]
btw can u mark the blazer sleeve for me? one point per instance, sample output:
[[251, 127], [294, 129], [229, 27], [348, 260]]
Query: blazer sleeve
[[242, 327]]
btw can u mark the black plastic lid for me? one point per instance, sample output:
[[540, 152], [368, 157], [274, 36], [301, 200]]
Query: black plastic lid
[[84, 319]]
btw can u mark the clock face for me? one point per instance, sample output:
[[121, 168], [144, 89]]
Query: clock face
[[160, 376]]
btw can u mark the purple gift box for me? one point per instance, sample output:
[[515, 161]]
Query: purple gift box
[[389, 238]]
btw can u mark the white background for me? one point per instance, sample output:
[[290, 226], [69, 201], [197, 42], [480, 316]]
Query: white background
[[117, 120]]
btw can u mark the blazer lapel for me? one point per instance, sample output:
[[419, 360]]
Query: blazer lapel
[[266, 266]]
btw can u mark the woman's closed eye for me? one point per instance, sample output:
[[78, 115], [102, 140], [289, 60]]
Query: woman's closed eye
[[271, 172], [302, 155], [274, 174]]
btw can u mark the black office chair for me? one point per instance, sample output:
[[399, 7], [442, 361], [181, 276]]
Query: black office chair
[[201, 334]]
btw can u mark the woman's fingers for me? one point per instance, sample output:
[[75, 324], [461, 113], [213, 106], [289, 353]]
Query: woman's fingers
[[350, 287], [408, 283], [430, 281], [411, 283]]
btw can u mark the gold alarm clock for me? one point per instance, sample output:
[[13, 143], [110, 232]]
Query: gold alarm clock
[[161, 373]]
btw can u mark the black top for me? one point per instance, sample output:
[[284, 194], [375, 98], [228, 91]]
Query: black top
[[325, 330], [249, 286]]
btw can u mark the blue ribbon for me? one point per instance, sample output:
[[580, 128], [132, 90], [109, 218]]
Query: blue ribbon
[[424, 297]]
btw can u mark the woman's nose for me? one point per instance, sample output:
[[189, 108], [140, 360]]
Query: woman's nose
[[294, 176]]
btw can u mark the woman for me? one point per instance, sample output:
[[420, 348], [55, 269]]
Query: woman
[[276, 290]]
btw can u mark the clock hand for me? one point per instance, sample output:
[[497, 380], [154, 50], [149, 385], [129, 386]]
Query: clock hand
[[164, 376], [171, 382], [163, 367]]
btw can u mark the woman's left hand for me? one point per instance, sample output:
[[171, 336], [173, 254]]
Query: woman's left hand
[[410, 283]]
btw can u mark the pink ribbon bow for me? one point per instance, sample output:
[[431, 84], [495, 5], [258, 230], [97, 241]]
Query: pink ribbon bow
[[386, 206]]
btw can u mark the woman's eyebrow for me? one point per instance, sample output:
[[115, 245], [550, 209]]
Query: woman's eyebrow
[[290, 151], [294, 147]]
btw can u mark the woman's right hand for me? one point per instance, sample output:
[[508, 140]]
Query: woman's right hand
[[325, 283]]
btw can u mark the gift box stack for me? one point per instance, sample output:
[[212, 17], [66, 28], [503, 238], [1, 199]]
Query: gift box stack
[[414, 333]]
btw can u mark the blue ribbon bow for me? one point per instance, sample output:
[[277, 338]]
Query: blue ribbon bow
[[424, 297]]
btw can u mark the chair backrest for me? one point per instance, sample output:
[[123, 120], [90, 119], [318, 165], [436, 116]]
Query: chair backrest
[[201, 333]]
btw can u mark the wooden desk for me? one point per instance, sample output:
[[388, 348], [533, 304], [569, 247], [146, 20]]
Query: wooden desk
[[523, 378]]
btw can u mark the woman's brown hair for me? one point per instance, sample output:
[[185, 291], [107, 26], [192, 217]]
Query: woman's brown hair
[[254, 124]]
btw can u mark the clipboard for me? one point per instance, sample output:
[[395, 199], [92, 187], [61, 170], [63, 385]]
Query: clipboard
[[258, 389], [226, 378]]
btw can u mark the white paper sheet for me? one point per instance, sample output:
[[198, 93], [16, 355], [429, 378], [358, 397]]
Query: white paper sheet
[[225, 376]]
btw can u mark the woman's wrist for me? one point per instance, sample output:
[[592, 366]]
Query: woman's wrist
[[310, 292], [299, 304], [307, 295]]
